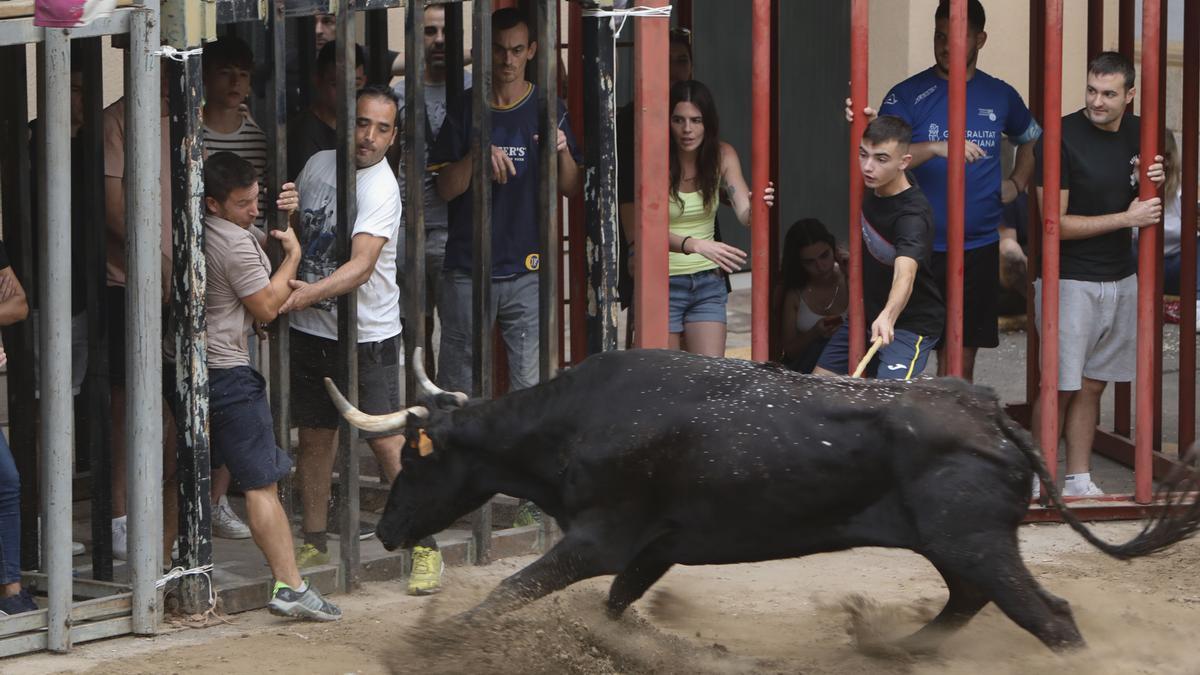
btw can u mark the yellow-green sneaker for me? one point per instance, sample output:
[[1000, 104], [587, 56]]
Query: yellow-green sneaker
[[427, 568], [309, 556]]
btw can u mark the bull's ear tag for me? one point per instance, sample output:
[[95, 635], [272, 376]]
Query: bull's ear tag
[[424, 445]]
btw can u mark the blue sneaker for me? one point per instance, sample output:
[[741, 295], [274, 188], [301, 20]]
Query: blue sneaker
[[17, 604]]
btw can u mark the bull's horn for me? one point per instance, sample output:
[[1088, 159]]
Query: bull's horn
[[429, 388], [384, 423]]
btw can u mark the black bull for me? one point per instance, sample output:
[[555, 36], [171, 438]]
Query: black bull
[[649, 459]]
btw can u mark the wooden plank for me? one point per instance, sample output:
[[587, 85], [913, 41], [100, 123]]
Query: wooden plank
[[11, 9], [21, 623], [113, 605]]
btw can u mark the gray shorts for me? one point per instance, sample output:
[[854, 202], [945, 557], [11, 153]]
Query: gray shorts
[[1097, 330]]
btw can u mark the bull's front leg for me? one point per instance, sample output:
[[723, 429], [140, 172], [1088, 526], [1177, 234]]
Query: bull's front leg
[[570, 560]]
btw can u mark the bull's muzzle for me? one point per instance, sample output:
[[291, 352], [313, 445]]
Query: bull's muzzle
[[380, 423], [428, 388]]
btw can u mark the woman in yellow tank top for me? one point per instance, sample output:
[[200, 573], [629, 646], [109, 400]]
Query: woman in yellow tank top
[[703, 169]]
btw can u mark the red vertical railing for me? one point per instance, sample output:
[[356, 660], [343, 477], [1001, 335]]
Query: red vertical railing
[[1187, 288], [1122, 391], [859, 66], [1037, 75], [1149, 255], [956, 188], [1051, 203], [651, 175], [1126, 26], [1095, 28], [760, 167]]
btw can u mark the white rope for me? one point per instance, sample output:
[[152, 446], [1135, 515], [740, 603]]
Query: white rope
[[623, 14], [179, 573], [171, 53]]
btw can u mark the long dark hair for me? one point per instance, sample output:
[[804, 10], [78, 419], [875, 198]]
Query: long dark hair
[[804, 232], [708, 157]]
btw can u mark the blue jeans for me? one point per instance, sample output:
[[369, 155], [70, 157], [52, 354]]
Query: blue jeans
[[10, 516], [515, 311]]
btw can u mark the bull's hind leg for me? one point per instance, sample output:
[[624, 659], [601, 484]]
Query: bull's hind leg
[[964, 602], [993, 565]]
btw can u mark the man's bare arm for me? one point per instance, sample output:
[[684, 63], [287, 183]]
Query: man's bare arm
[[1139, 214], [364, 253]]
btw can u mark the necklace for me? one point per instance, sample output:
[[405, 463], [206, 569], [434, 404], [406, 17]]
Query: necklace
[[836, 289]]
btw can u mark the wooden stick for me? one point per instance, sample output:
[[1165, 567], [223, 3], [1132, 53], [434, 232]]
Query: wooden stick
[[862, 365]]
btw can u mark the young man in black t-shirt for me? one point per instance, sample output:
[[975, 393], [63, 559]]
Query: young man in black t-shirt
[[1097, 307], [900, 293]]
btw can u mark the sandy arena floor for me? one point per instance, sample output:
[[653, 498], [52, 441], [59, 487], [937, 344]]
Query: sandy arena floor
[[793, 616]]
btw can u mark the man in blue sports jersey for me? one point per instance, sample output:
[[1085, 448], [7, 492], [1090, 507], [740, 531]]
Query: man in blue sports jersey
[[516, 242], [993, 108]]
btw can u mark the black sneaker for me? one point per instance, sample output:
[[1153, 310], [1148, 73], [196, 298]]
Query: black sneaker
[[365, 530], [17, 604], [287, 601]]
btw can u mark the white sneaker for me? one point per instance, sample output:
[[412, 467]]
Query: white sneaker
[[1081, 488], [1037, 488], [226, 524], [120, 537], [76, 548]]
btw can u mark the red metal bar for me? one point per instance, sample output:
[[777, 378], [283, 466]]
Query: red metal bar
[[1191, 158], [859, 67], [1051, 220], [773, 237], [1095, 29], [1126, 17], [955, 188], [1158, 277], [1037, 32], [760, 173], [576, 228], [651, 172], [684, 9], [1122, 406], [1149, 253]]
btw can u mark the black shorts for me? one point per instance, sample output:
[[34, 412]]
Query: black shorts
[[981, 294], [315, 358], [241, 436]]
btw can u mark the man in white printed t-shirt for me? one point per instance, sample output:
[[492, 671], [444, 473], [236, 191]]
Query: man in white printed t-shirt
[[371, 272]]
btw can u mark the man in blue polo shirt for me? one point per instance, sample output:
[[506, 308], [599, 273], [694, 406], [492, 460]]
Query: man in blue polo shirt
[[993, 108], [516, 243]]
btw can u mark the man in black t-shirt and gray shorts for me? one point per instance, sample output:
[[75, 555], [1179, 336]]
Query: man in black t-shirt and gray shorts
[[1097, 309], [899, 289]]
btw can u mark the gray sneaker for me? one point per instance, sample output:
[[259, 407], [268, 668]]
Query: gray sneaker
[[287, 601], [226, 524]]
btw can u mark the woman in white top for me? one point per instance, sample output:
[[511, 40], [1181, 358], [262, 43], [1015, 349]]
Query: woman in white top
[[1173, 222], [815, 293]]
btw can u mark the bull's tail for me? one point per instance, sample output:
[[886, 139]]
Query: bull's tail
[[1176, 521]]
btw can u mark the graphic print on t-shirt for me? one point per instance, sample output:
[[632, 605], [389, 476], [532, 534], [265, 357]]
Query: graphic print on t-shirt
[[317, 233], [880, 249]]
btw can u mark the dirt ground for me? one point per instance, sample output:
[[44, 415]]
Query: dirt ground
[[792, 616]]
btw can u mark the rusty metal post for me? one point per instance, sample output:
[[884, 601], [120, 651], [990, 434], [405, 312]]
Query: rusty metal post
[[1037, 38], [1095, 28], [550, 268], [481, 280], [1051, 222], [1191, 158], [191, 342], [1126, 26], [955, 188], [650, 101], [16, 192], [1149, 258], [599, 184], [581, 326], [859, 67], [276, 128], [414, 198], [760, 174], [347, 303]]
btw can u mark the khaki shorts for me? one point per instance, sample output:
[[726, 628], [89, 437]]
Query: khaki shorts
[[1097, 330]]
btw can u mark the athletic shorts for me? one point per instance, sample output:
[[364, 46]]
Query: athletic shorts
[[315, 358], [241, 436], [981, 293], [1097, 330], [697, 297], [903, 359]]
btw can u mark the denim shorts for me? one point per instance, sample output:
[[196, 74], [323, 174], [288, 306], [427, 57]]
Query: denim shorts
[[240, 431], [697, 297]]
